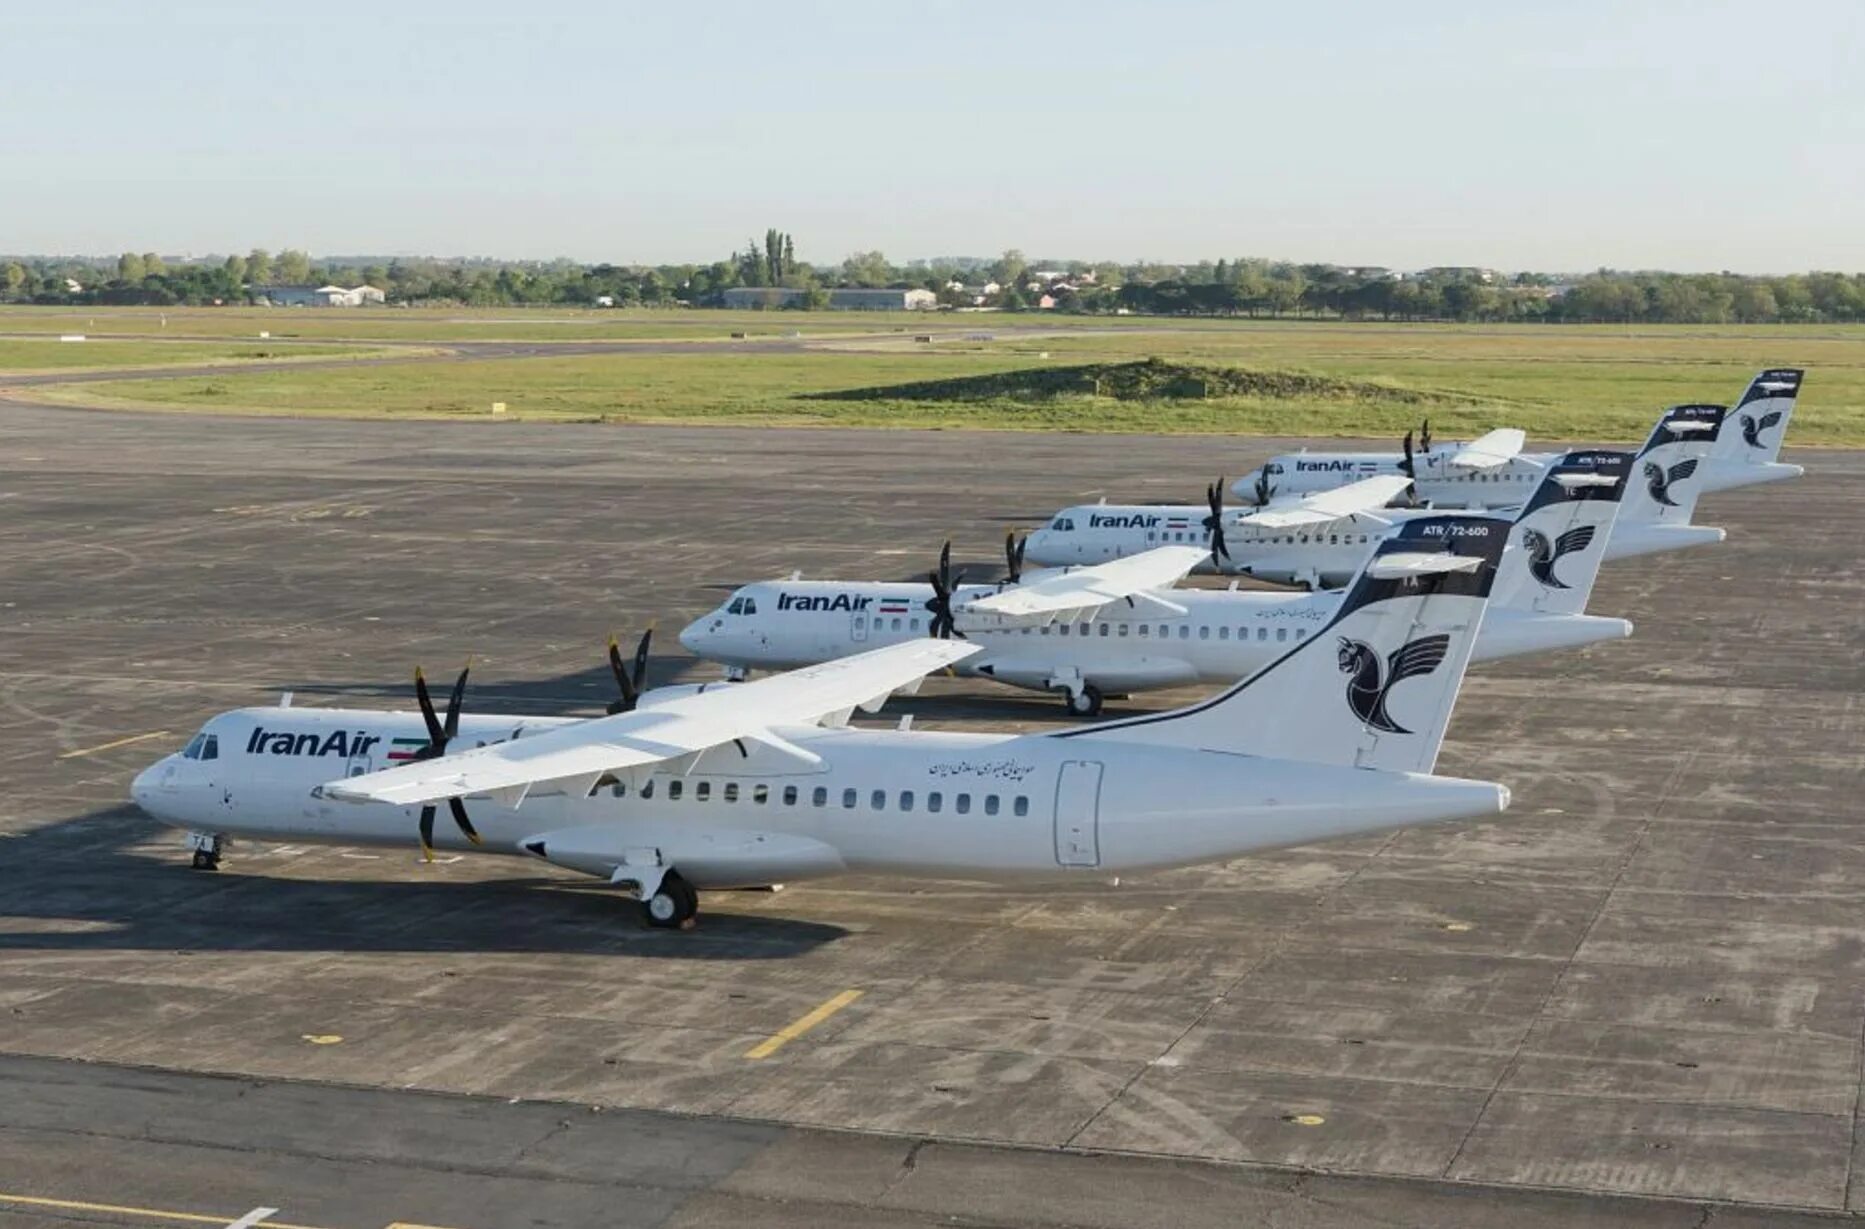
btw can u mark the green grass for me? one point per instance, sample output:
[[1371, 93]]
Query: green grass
[[1557, 382], [50, 354]]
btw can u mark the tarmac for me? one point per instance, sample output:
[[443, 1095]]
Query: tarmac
[[1634, 999]]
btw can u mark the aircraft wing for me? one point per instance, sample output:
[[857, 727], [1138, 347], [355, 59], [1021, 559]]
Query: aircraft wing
[[1365, 495], [582, 753], [1081, 588], [1499, 447]]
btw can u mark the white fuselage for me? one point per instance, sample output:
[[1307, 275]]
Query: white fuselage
[[1119, 648], [967, 805]]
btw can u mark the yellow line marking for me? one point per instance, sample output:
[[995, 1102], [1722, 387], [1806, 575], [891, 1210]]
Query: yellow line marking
[[802, 1024], [192, 1218], [121, 742]]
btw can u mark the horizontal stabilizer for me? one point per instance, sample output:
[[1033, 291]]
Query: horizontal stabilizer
[[1419, 563]]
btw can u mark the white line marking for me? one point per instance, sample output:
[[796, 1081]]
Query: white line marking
[[252, 1218]]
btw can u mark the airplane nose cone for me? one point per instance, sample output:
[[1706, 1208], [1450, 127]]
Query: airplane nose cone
[[690, 637], [142, 789]]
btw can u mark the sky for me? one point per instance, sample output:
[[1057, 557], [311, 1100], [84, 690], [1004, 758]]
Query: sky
[[1558, 137]]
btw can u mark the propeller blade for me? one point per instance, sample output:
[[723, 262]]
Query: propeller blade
[[641, 658], [623, 683], [452, 726], [1214, 497], [1013, 556], [1424, 435], [427, 832], [434, 733], [1405, 466], [459, 817]]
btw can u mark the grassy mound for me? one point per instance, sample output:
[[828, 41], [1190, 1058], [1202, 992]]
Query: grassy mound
[[1151, 379]]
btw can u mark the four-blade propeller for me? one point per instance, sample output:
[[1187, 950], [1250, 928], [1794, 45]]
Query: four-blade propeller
[[439, 734], [943, 581], [1264, 488], [1214, 523]]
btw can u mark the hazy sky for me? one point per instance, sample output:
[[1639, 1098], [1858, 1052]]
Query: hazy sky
[[1555, 136]]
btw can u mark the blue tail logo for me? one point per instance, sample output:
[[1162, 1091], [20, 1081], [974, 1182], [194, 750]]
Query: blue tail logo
[[1543, 554], [1370, 682], [1753, 427], [1660, 480]]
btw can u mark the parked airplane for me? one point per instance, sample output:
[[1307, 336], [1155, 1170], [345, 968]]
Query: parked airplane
[[1330, 552], [763, 782], [1118, 628], [1493, 471]]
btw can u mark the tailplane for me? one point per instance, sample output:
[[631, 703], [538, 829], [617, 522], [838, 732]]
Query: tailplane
[[1372, 689]]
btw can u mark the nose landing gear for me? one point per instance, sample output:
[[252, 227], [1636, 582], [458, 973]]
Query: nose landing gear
[[207, 847]]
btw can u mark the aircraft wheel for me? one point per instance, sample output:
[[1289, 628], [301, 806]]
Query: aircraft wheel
[[673, 905], [205, 861], [1084, 703]]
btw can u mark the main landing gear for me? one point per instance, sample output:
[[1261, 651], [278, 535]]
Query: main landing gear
[[673, 905], [1083, 701], [207, 848]]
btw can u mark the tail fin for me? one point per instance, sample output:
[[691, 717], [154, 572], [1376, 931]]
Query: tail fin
[[1667, 477], [1561, 535], [1759, 420], [1372, 689]]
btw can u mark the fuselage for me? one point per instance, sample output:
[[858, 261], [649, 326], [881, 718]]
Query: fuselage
[[1224, 635], [911, 802]]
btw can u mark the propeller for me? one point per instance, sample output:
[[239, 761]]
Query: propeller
[[1013, 556], [629, 678], [1424, 436], [1264, 489], [1214, 523], [439, 734], [944, 581], [1406, 466]]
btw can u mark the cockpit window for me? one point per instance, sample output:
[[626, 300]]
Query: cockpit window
[[751, 605], [1063, 524], [210, 750], [193, 750], [737, 606]]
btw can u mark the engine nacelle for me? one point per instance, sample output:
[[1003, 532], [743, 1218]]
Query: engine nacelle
[[661, 695]]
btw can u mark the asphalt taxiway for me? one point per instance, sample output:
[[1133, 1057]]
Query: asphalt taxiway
[[1636, 998]]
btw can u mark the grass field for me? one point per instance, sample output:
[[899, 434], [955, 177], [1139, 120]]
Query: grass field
[[49, 354], [1557, 382]]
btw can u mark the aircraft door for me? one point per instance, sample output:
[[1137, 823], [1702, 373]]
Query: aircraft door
[[1078, 807]]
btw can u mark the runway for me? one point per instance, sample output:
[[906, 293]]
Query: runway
[[1635, 997]]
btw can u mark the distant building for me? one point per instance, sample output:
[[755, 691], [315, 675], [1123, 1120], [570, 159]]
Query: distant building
[[320, 296], [73, 286], [839, 300]]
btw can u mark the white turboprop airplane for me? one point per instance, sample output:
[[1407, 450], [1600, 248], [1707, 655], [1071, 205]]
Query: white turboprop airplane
[[1494, 472], [758, 783], [1655, 516], [1118, 628]]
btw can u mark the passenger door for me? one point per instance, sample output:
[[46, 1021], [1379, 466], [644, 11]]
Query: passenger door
[[1078, 814]]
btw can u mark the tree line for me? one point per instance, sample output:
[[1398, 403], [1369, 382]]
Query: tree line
[[1010, 282]]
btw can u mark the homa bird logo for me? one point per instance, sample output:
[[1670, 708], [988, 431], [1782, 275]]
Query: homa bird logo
[[1753, 427], [1660, 480], [1543, 554], [1369, 683]]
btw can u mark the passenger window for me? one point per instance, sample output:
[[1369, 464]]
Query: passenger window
[[1223, 633], [790, 795], [1023, 804], [1301, 633], [1146, 629], [673, 789], [990, 804], [962, 804], [1045, 629], [760, 793], [647, 790], [848, 799], [878, 800], [906, 800], [1185, 631], [1282, 633], [1204, 632], [730, 791], [934, 801], [1123, 629], [896, 624], [819, 797], [1061, 629], [1262, 633], [1104, 629], [619, 788], [913, 625], [702, 790]]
